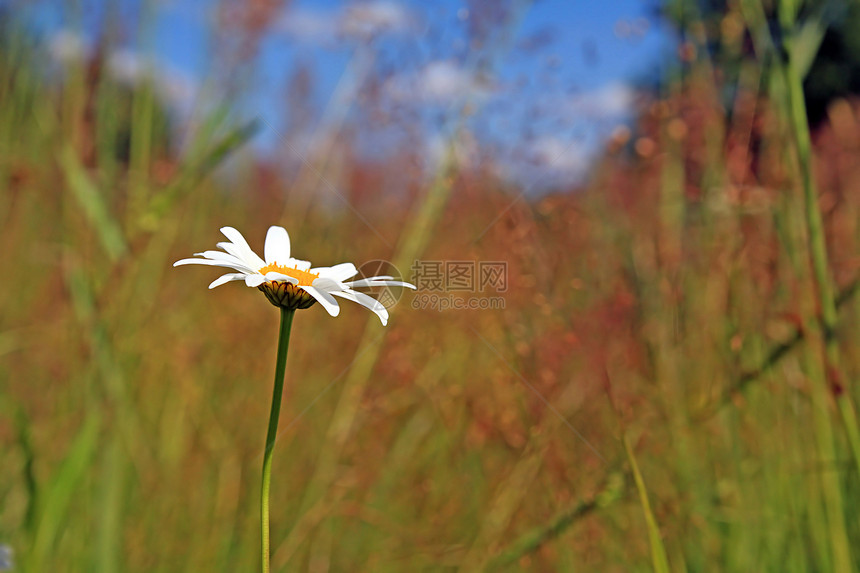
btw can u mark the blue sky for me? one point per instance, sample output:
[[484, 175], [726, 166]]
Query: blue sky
[[558, 77]]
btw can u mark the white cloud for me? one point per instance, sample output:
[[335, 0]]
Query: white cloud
[[173, 86], [358, 21], [66, 46], [464, 148], [442, 81], [611, 101], [308, 25], [545, 163], [127, 66], [377, 17], [445, 80], [177, 88], [564, 157]]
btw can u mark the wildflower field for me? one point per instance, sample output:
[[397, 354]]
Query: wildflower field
[[655, 366]]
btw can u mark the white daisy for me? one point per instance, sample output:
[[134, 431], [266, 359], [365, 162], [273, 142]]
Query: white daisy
[[288, 282]]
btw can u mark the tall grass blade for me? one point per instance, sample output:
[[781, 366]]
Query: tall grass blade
[[658, 551], [61, 491], [95, 209], [110, 500], [198, 166]]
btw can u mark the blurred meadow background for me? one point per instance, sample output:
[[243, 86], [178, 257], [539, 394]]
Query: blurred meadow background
[[665, 379]]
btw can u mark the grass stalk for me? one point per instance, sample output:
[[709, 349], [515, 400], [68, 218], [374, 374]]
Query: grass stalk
[[658, 551], [817, 241], [531, 541]]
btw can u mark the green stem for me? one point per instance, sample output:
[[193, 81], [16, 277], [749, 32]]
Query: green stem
[[280, 368]]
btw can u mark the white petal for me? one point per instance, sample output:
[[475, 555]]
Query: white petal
[[380, 278], [328, 285], [299, 264], [236, 237], [339, 272], [209, 262], [277, 247], [234, 250], [366, 301], [254, 280], [325, 299], [236, 262], [275, 276], [226, 278], [248, 255], [378, 281]]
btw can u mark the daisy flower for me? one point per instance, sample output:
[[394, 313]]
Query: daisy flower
[[287, 282]]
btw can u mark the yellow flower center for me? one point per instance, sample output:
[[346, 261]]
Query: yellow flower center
[[304, 277]]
